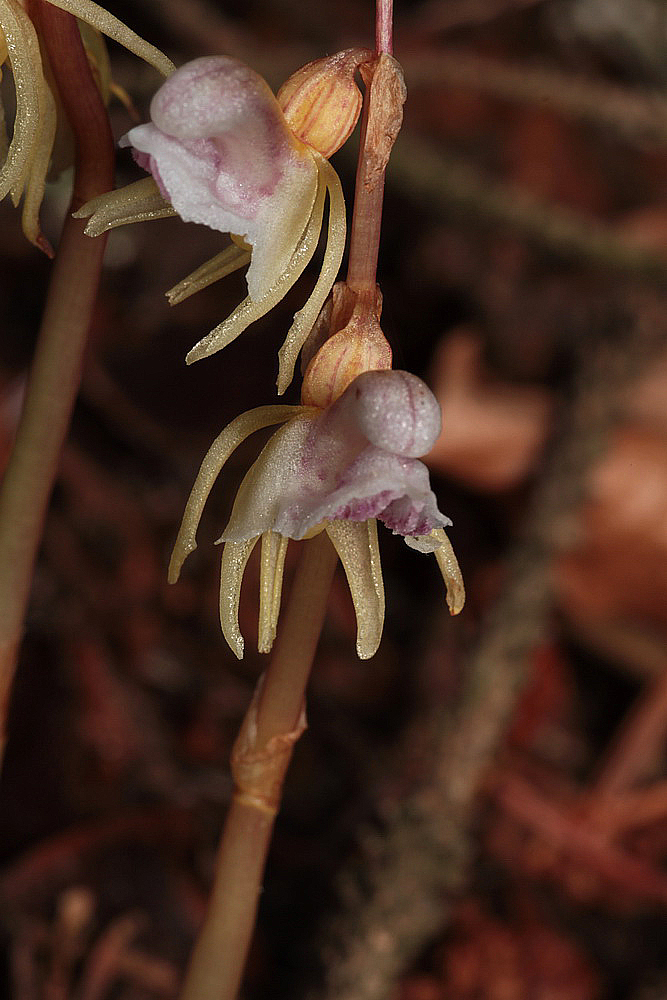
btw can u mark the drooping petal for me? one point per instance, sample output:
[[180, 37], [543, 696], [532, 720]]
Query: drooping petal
[[305, 319], [39, 166], [24, 56], [357, 548], [451, 574], [217, 455], [274, 549], [231, 259], [113, 28], [235, 557], [138, 202], [250, 309], [439, 544], [222, 153]]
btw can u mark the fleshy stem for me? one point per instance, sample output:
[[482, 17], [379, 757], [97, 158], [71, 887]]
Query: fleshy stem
[[56, 369], [274, 722]]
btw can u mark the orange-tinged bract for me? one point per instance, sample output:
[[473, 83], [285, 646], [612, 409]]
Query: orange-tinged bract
[[322, 101]]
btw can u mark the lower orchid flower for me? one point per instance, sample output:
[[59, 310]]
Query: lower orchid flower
[[339, 469], [224, 152]]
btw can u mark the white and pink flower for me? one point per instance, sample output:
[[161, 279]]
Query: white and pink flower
[[221, 152], [338, 469]]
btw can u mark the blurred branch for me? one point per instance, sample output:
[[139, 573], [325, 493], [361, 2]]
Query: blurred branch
[[638, 116], [435, 15], [398, 894], [452, 186]]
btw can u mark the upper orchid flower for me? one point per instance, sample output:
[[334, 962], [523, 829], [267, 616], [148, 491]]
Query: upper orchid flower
[[223, 151], [339, 469], [27, 158]]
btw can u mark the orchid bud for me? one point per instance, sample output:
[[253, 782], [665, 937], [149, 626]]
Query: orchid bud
[[321, 101], [334, 359]]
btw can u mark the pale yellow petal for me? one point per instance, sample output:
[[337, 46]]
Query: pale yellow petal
[[217, 455], [231, 259], [356, 543], [274, 548], [39, 166], [248, 311], [451, 574], [109, 25], [235, 556], [304, 320], [138, 202], [4, 138], [98, 57], [26, 63]]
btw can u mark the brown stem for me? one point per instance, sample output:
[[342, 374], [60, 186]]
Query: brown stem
[[56, 369], [262, 753]]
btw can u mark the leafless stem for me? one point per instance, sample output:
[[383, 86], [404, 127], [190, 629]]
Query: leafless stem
[[274, 722], [56, 370]]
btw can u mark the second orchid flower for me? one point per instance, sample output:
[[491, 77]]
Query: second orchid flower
[[223, 151]]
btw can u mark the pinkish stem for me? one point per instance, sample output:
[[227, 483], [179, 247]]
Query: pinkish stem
[[384, 26]]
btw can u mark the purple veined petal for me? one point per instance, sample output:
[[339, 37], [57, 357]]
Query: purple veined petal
[[221, 152], [286, 483], [394, 489]]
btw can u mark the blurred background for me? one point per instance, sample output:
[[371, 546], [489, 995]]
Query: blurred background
[[479, 812]]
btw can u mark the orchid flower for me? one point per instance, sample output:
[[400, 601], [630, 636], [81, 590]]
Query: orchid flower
[[339, 469], [27, 157], [224, 152]]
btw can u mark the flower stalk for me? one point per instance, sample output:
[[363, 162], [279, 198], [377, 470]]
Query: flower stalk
[[273, 723], [56, 370]]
